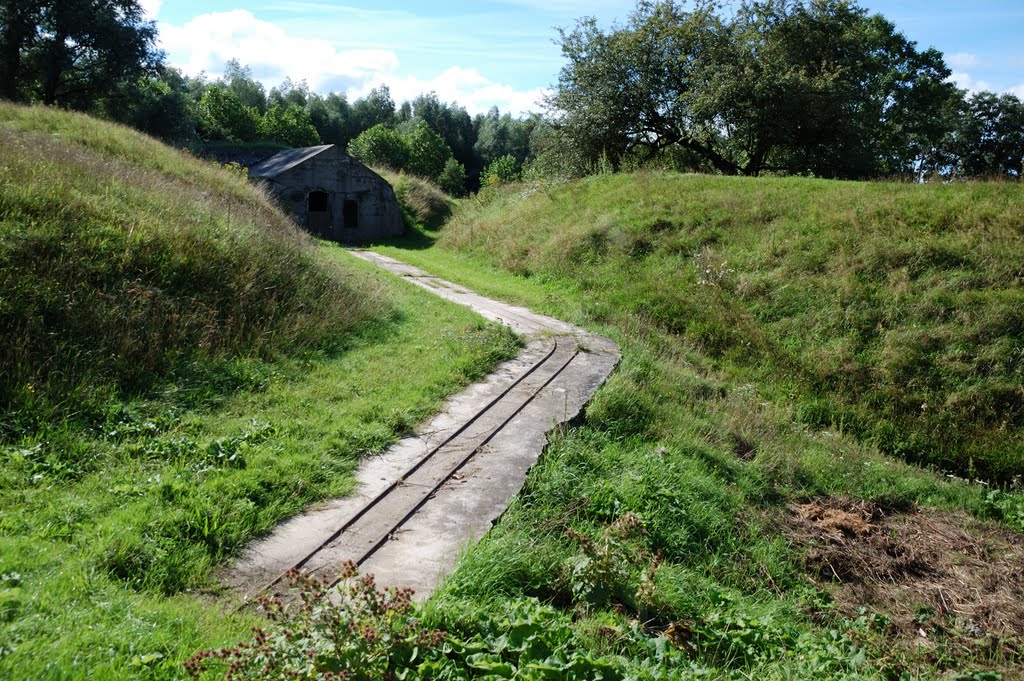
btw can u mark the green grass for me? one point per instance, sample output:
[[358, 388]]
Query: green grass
[[104, 560], [181, 369], [707, 430], [891, 312], [124, 263], [424, 205]]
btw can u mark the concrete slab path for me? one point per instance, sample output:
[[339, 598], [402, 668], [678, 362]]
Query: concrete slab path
[[420, 503]]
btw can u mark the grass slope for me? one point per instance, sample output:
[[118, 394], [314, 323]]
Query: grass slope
[[124, 262], [892, 312], [661, 525], [181, 370], [424, 205]]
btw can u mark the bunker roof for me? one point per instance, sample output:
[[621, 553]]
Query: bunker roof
[[286, 160]]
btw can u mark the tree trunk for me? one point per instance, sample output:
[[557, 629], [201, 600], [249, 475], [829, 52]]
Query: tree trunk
[[721, 164], [756, 163], [54, 69], [10, 68], [14, 36], [54, 65]]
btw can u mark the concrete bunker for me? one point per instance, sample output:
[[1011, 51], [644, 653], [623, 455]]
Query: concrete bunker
[[331, 194]]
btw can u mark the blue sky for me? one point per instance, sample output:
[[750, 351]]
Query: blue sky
[[501, 52]]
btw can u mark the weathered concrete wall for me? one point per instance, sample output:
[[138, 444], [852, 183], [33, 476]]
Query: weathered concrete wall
[[342, 178]]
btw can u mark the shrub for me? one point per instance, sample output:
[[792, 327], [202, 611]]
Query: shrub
[[368, 633], [453, 178], [501, 170], [428, 152], [380, 146]]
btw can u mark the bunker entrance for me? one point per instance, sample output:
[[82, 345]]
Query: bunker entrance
[[319, 208], [350, 213]]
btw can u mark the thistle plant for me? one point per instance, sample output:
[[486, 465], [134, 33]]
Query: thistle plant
[[353, 631]]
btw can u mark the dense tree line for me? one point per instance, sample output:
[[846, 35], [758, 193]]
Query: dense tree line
[[810, 87]]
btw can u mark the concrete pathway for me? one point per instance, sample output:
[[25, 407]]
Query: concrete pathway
[[418, 504]]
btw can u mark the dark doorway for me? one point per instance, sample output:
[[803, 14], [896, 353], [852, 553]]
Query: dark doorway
[[350, 213], [319, 207]]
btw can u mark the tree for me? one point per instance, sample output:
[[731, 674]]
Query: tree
[[874, 104], [18, 32], [290, 92], [333, 119], [288, 124], [626, 91], [988, 137], [789, 85], [223, 118], [74, 52], [377, 108], [450, 121], [382, 146], [427, 151], [249, 91], [499, 135], [159, 106], [453, 178]]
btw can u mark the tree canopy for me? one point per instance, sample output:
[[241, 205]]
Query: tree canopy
[[985, 138], [72, 52], [811, 86]]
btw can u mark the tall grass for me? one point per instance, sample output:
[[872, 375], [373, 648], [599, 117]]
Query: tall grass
[[423, 203], [893, 312], [123, 262]]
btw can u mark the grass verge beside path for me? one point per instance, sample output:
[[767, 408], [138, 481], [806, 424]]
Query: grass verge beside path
[[668, 522], [93, 567], [893, 312]]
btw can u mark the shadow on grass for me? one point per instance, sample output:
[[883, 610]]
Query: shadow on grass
[[416, 238]]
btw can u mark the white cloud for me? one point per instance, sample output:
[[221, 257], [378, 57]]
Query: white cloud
[[967, 82], [208, 41], [1018, 91], [963, 60], [151, 8], [468, 87]]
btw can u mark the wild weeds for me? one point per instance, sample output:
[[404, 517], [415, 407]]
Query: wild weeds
[[363, 632], [357, 632], [424, 203]]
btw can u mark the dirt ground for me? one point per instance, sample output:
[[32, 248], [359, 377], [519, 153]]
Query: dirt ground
[[950, 586]]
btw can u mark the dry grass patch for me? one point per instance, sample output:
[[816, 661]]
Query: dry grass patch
[[949, 585]]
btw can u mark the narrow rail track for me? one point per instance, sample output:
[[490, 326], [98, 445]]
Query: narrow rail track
[[417, 505], [383, 514]]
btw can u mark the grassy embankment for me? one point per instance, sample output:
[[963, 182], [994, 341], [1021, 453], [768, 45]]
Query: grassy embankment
[[784, 341], [423, 203], [180, 368]]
